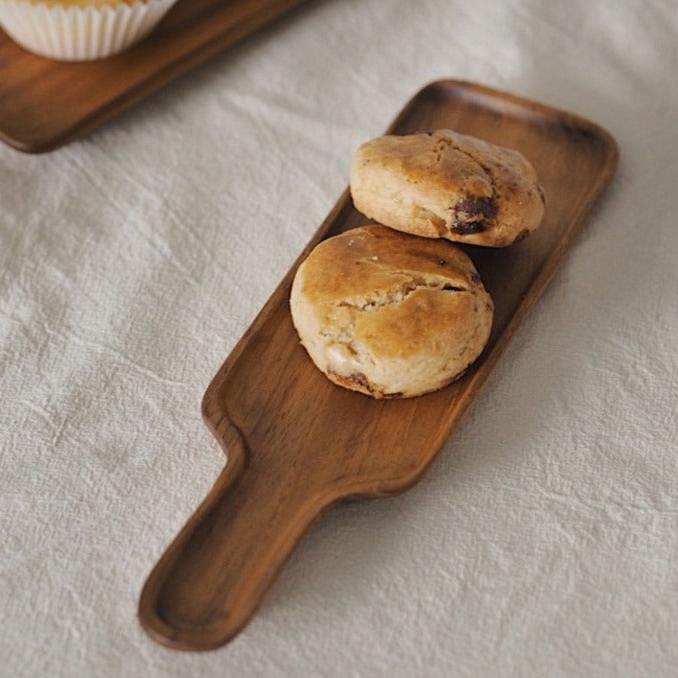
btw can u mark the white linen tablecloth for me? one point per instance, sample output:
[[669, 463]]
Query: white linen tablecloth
[[544, 539]]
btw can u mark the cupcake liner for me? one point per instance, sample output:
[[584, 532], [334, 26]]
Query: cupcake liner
[[71, 33]]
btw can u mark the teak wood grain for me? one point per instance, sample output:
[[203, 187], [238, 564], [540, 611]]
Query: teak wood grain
[[44, 103], [296, 443]]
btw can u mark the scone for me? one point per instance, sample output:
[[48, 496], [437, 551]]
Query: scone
[[388, 314], [447, 185]]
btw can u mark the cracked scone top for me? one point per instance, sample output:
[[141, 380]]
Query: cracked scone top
[[389, 314], [447, 185]]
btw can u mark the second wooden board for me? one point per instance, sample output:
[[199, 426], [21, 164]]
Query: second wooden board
[[45, 103]]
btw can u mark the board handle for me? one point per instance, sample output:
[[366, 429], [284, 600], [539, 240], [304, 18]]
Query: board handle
[[210, 580]]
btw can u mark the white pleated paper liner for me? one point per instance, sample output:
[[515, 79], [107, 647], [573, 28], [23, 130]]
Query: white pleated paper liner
[[71, 33]]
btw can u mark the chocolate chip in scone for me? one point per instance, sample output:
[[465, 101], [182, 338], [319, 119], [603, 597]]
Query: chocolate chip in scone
[[473, 207], [475, 278], [473, 213], [468, 227]]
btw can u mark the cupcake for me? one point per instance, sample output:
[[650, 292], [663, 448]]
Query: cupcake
[[80, 30]]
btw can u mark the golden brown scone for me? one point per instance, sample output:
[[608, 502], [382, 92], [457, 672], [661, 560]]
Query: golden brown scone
[[447, 185], [388, 314]]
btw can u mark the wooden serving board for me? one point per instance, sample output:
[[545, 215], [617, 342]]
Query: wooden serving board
[[296, 443], [45, 104]]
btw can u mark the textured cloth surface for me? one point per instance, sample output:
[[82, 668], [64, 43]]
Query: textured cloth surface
[[543, 540]]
